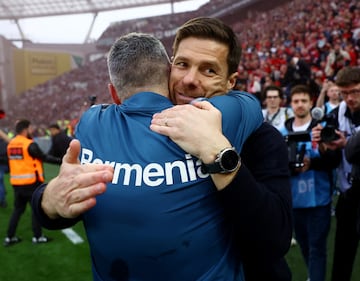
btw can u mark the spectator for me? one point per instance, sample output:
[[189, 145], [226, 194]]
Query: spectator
[[59, 141], [336, 59], [274, 113], [298, 72], [329, 97]]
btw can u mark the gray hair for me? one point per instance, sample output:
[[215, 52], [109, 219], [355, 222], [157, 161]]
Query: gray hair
[[137, 61]]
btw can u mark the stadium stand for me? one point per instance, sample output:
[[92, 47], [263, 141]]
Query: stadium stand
[[271, 34]]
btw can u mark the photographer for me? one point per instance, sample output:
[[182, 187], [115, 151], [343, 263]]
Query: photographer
[[311, 179], [352, 153], [348, 117]]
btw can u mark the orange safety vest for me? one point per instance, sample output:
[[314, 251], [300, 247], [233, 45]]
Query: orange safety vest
[[24, 169]]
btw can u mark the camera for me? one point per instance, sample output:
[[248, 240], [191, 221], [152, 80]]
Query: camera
[[297, 148], [328, 133]]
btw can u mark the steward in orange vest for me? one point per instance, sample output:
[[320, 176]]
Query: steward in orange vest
[[24, 169], [26, 174], [26, 157]]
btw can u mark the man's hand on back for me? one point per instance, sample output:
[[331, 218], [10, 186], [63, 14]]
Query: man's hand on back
[[75, 188]]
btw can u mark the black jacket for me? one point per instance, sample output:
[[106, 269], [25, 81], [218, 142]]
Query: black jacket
[[352, 153], [259, 203], [59, 144]]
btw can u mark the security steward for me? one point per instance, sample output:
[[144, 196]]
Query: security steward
[[26, 174]]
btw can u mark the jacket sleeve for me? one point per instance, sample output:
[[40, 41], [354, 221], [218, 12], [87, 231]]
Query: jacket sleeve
[[36, 152], [328, 160], [258, 201], [43, 219], [352, 149]]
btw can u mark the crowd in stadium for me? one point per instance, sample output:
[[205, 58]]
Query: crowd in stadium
[[308, 30]]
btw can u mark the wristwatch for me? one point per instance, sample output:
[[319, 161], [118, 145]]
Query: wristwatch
[[227, 161]]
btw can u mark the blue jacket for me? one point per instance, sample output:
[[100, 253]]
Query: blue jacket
[[160, 218]]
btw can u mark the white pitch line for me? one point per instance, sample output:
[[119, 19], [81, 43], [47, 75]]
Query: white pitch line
[[72, 236]]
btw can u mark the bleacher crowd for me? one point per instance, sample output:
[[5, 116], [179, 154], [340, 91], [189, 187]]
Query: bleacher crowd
[[294, 42]]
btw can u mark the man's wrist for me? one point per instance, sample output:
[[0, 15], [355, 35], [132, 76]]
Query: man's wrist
[[227, 161], [210, 151], [46, 205]]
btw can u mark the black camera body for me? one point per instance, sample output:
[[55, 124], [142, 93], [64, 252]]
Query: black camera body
[[296, 151], [328, 133]]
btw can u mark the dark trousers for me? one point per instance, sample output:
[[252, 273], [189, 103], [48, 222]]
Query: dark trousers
[[22, 196], [346, 235], [312, 226]]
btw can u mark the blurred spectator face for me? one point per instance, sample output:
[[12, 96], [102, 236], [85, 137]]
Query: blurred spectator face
[[199, 69], [54, 131], [301, 104], [351, 95], [30, 131], [283, 68], [337, 48], [272, 99], [333, 92]]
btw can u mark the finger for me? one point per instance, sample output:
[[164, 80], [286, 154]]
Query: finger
[[76, 209], [173, 111], [82, 194], [203, 105], [158, 128], [103, 174], [72, 153]]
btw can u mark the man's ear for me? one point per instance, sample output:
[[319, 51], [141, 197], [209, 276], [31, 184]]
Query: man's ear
[[232, 81], [113, 94]]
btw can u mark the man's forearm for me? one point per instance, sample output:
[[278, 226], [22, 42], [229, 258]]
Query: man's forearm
[[258, 201], [257, 208]]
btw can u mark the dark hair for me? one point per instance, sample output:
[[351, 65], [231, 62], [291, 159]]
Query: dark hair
[[54, 126], [301, 89], [273, 88], [213, 29], [21, 125], [348, 76]]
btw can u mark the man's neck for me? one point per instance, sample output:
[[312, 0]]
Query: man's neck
[[159, 89], [273, 110], [302, 121], [334, 101]]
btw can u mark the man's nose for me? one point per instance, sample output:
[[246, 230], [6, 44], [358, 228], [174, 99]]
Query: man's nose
[[191, 77]]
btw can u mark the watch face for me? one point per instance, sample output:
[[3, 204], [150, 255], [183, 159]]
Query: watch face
[[229, 160]]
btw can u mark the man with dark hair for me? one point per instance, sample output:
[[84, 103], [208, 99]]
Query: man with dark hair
[[311, 177], [205, 58], [348, 119], [59, 141], [26, 174], [274, 113]]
